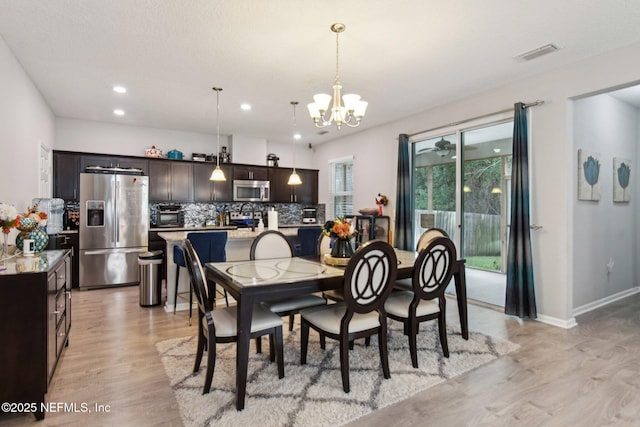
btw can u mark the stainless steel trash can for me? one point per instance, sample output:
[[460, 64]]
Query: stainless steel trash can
[[150, 264]]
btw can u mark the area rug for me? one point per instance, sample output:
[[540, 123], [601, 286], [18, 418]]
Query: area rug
[[312, 395]]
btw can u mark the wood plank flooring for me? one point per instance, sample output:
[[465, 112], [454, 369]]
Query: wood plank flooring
[[588, 375]]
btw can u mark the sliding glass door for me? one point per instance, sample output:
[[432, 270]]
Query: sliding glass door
[[461, 185]]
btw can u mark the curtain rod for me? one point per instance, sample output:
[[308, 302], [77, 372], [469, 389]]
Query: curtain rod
[[526, 105]]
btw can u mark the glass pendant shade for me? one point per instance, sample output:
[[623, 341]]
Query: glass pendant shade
[[294, 179], [217, 174]]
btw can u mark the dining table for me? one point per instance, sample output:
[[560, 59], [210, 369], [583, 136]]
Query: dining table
[[255, 281]]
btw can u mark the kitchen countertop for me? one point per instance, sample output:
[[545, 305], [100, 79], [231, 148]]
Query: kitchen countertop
[[227, 228], [239, 234]]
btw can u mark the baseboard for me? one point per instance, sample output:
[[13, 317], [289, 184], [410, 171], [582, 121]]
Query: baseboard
[[605, 301], [554, 321]]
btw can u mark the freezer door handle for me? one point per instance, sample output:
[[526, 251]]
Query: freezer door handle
[[111, 251], [117, 216]]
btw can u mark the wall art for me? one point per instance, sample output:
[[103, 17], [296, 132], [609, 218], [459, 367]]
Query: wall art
[[588, 175], [621, 180]]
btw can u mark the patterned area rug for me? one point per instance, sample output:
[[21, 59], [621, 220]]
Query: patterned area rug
[[312, 395]]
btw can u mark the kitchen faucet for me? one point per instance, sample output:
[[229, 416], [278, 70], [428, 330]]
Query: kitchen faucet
[[253, 214]]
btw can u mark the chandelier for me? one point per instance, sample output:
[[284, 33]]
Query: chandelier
[[217, 174], [350, 113]]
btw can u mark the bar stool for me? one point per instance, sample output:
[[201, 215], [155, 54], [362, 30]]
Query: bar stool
[[180, 261]]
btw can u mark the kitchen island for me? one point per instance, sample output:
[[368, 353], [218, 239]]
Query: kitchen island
[[238, 248]]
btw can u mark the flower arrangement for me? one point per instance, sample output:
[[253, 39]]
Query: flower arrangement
[[339, 228], [382, 200], [31, 219], [8, 217]]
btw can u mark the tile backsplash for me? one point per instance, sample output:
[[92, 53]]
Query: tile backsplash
[[195, 214]]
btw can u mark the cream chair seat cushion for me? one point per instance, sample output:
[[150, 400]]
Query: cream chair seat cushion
[[226, 323], [328, 317], [398, 305]]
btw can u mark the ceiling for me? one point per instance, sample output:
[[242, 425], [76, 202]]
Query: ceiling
[[402, 56]]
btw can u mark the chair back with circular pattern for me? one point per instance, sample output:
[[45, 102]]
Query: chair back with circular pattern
[[271, 244], [433, 268], [369, 277], [428, 236]]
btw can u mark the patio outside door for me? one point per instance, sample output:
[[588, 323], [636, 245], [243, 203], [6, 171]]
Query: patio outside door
[[462, 185]]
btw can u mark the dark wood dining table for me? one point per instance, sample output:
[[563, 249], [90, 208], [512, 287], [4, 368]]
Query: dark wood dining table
[[256, 281]]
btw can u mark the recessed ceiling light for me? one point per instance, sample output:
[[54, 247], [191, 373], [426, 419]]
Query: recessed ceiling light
[[297, 136], [496, 150], [118, 112], [245, 107], [120, 89]]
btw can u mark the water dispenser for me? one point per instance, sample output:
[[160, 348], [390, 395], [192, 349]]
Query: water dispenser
[[54, 208], [95, 213]]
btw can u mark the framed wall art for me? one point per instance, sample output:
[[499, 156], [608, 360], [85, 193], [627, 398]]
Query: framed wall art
[[588, 175], [621, 180]]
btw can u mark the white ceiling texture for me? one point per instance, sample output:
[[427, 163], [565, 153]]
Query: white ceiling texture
[[402, 56]]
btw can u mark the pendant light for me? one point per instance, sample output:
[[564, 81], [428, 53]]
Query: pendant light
[[217, 174], [294, 179]]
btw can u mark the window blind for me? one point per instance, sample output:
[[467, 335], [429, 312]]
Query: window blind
[[341, 188]]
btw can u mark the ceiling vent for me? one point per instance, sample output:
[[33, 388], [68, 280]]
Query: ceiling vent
[[535, 53], [323, 132]]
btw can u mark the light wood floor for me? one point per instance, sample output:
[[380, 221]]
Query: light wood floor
[[589, 375]]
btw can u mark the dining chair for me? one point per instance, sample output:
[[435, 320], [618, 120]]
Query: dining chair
[[274, 244], [423, 241], [211, 247], [220, 325], [368, 281], [426, 301], [179, 260], [308, 239]]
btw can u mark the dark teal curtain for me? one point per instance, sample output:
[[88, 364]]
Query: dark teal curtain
[[404, 212], [520, 298]]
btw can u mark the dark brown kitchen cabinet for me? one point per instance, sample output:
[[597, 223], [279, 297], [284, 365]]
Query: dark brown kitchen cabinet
[[281, 192], [115, 161], [35, 320], [170, 181], [254, 173], [66, 170], [205, 190]]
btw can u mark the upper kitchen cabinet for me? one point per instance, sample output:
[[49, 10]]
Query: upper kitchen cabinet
[[254, 173], [115, 161], [281, 192], [66, 170], [170, 181], [205, 190]]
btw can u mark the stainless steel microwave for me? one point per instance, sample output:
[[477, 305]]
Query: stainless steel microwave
[[250, 191]]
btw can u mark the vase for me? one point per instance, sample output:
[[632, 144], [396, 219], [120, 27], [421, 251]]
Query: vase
[[4, 252], [39, 237], [342, 248]]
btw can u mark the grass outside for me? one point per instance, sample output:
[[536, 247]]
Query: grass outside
[[491, 263]]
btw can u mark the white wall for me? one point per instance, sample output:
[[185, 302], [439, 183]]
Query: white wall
[[26, 122], [609, 127], [552, 160], [108, 138]]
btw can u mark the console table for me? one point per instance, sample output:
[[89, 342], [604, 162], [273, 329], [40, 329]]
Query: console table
[[35, 318]]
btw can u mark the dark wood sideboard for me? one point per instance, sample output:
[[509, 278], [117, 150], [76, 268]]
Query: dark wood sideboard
[[35, 319]]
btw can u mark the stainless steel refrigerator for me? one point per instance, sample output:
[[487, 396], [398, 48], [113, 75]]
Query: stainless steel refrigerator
[[114, 228]]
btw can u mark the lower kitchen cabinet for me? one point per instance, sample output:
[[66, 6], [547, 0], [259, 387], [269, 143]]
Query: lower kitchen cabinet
[[35, 320]]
